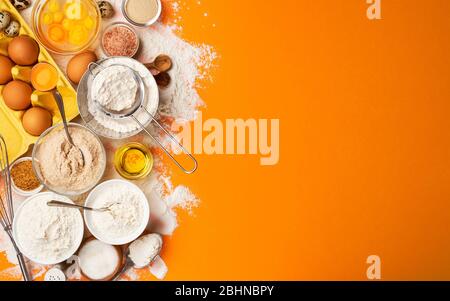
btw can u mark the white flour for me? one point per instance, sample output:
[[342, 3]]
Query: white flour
[[125, 215], [114, 88], [48, 234], [127, 125], [144, 250], [190, 63]]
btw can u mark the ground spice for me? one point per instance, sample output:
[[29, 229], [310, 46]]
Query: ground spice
[[23, 176], [120, 41]]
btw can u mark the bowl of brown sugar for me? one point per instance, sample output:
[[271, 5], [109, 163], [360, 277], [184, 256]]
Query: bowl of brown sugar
[[24, 180]]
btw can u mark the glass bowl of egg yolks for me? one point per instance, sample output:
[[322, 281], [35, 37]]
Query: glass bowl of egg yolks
[[66, 27]]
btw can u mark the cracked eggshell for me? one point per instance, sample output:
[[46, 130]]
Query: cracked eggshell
[[5, 19]]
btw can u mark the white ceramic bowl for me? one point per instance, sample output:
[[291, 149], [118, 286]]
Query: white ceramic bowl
[[89, 215], [17, 189], [79, 230]]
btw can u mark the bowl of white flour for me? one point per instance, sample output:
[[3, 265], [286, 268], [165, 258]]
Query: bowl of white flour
[[127, 216], [47, 235]]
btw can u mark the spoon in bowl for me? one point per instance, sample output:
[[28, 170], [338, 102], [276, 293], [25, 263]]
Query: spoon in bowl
[[59, 102], [74, 206]]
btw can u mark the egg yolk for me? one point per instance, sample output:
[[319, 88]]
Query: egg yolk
[[47, 19], [78, 35], [44, 77], [68, 22], [53, 6], [56, 33], [58, 17]]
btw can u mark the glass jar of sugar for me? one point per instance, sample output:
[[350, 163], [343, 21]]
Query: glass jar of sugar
[[142, 13]]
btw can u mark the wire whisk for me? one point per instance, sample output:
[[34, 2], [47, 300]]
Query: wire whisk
[[6, 204]]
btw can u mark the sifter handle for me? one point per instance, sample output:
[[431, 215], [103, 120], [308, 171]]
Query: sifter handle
[[185, 151]]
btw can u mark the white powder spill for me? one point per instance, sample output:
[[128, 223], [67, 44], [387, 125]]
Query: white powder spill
[[159, 268], [180, 101]]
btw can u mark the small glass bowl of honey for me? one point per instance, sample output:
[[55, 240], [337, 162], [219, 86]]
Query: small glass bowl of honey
[[133, 161]]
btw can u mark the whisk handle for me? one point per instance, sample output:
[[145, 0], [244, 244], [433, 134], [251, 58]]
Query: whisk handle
[[23, 267]]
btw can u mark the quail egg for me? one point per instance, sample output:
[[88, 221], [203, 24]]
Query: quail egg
[[5, 19], [13, 29], [106, 9], [21, 4]]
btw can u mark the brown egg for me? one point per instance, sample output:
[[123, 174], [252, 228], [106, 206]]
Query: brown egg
[[17, 95], [5, 70], [23, 50], [36, 120], [78, 65]]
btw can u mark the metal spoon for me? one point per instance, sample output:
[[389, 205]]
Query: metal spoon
[[59, 102], [68, 205], [130, 264]]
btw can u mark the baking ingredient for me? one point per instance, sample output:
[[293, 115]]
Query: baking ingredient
[[5, 19], [133, 161], [21, 4], [163, 80], [5, 70], [115, 88], [61, 164], [99, 261], [22, 73], [162, 63], [142, 11], [23, 50], [106, 9], [159, 268], [17, 95], [36, 120], [44, 77], [13, 29], [191, 63], [127, 125], [23, 176], [78, 65], [69, 24], [144, 250], [47, 234], [120, 40], [125, 216]]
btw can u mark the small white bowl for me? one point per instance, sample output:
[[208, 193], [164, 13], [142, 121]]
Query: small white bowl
[[88, 215], [47, 196], [17, 189]]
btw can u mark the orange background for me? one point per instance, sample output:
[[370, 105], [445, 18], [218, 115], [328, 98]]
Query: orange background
[[365, 143]]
